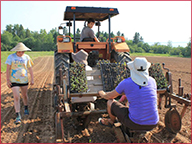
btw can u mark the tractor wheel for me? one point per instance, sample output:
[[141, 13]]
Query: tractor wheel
[[62, 61], [167, 121], [173, 121], [120, 57]]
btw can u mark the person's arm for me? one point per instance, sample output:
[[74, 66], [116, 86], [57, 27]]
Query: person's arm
[[96, 39], [109, 95], [32, 77], [8, 75]]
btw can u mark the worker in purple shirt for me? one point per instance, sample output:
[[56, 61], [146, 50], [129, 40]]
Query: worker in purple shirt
[[141, 92]]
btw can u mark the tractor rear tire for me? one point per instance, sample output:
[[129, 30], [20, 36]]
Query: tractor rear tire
[[120, 57], [61, 60]]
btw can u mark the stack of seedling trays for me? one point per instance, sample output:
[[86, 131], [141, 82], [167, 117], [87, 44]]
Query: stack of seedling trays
[[113, 73], [156, 72], [77, 78]]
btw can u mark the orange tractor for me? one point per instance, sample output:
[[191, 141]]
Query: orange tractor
[[114, 50]]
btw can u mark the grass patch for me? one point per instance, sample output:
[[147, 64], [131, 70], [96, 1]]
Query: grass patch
[[151, 54], [33, 55]]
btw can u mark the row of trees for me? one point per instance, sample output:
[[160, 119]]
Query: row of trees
[[37, 41], [43, 41], [138, 45]]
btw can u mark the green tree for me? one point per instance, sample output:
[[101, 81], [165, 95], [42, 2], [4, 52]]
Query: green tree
[[9, 28], [30, 42], [6, 38], [15, 30], [187, 52], [16, 38], [28, 33], [136, 38], [141, 39], [55, 34], [78, 34], [140, 44], [175, 51], [146, 47], [21, 32], [169, 44]]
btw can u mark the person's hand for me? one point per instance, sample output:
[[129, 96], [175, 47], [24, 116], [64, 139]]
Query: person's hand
[[102, 93], [9, 83], [32, 82]]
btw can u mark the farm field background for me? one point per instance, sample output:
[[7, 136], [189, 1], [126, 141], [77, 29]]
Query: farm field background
[[36, 54], [38, 127]]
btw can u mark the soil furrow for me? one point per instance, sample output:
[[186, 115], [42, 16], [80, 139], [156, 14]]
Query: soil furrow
[[33, 112], [40, 122]]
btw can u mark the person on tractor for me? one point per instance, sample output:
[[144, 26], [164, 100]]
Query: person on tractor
[[87, 33], [141, 92]]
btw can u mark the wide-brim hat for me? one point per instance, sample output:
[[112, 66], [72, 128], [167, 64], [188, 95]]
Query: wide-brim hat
[[20, 47], [139, 70], [80, 57]]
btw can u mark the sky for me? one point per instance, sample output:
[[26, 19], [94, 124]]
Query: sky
[[156, 21]]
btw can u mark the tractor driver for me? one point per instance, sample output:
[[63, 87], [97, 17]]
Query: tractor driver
[[87, 31], [141, 92]]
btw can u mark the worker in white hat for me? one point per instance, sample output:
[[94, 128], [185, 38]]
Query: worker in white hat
[[141, 92], [17, 78]]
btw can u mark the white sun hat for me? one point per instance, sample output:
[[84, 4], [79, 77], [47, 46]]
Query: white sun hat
[[80, 56], [20, 47], [139, 70]]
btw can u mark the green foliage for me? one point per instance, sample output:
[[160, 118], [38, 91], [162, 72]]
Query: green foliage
[[42, 41], [46, 41], [112, 74], [78, 79], [137, 38], [156, 72]]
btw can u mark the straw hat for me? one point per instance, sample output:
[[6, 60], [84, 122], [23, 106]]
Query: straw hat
[[80, 56], [20, 47], [139, 70]]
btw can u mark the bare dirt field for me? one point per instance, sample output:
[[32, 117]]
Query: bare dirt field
[[38, 127]]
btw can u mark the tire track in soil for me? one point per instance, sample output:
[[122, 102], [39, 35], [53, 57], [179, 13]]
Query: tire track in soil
[[42, 131], [44, 104], [10, 131], [32, 117]]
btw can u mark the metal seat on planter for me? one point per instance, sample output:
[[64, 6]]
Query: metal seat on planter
[[135, 136]]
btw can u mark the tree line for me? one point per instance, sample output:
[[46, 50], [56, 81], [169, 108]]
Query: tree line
[[46, 41]]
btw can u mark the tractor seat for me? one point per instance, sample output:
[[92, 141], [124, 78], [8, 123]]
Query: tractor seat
[[88, 40]]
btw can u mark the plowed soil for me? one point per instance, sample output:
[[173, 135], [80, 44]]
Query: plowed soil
[[38, 127]]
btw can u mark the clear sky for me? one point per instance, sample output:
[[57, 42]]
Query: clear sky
[[156, 21]]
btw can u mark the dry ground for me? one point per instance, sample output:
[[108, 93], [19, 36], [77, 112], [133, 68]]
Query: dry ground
[[38, 127]]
